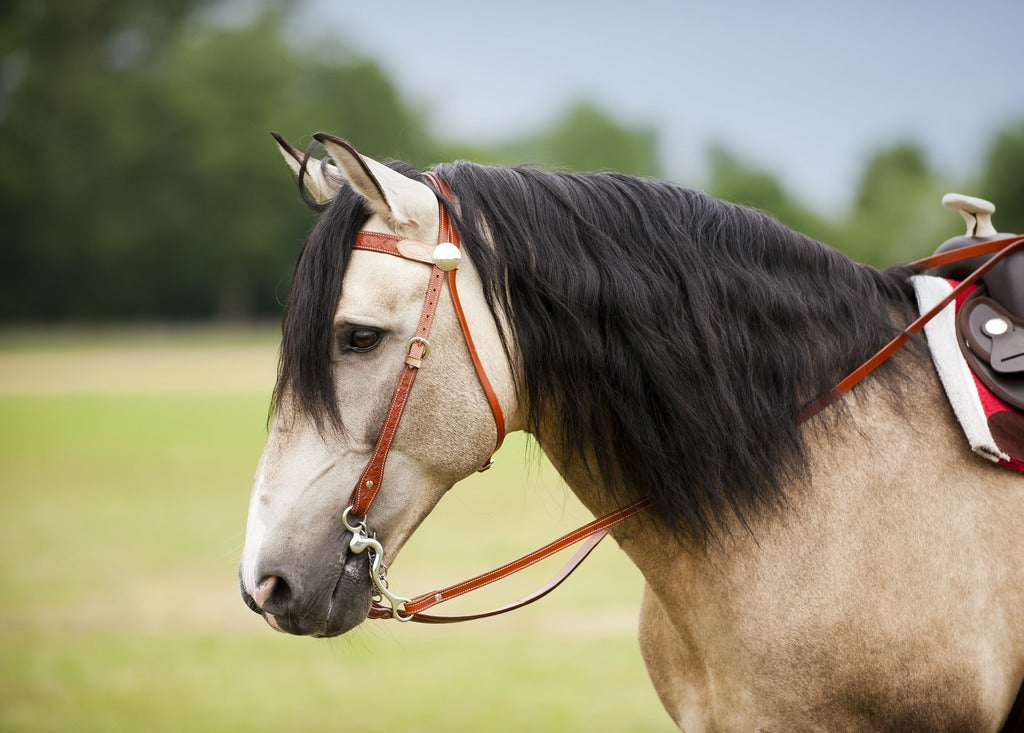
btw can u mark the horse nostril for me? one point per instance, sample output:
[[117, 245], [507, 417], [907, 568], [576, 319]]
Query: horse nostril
[[264, 590], [273, 594]]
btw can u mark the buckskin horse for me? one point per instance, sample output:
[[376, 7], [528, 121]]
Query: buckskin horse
[[854, 568]]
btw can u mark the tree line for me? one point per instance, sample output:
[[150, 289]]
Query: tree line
[[137, 178]]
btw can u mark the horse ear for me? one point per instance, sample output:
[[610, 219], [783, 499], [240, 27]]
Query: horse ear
[[322, 180], [400, 201]]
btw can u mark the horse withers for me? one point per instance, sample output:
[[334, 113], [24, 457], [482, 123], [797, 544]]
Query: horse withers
[[863, 571]]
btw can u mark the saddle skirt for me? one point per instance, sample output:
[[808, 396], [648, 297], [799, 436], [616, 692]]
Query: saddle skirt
[[994, 428]]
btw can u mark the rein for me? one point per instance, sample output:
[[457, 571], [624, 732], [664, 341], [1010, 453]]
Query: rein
[[444, 259], [1001, 248]]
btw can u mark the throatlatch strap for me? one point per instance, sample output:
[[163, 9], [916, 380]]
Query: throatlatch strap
[[492, 398], [481, 373]]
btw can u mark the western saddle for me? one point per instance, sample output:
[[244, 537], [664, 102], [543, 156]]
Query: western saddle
[[990, 323]]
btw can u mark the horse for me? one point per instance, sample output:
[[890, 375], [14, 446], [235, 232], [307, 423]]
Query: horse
[[859, 571]]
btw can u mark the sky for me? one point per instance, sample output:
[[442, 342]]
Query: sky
[[803, 89]]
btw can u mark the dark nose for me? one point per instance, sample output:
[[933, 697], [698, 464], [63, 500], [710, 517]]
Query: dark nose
[[326, 602]]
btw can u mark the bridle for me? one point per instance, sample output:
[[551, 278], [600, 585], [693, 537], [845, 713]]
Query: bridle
[[444, 259]]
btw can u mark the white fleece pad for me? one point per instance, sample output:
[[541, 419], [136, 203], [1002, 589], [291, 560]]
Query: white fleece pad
[[952, 368]]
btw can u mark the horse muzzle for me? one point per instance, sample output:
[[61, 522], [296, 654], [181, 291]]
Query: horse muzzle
[[319, 602]]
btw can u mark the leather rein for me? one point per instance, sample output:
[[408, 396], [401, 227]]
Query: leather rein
[[444, 259]]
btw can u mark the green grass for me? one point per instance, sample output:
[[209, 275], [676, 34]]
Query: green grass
[[121, 523]]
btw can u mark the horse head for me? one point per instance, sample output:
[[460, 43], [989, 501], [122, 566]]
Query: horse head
[[343, 351]]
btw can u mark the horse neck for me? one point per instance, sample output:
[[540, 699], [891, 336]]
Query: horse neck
[[882, 420], [647, 541]]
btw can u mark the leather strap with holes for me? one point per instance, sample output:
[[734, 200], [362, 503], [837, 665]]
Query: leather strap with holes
[[372, 477]]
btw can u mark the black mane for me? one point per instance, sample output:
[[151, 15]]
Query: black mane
[[672, 336]]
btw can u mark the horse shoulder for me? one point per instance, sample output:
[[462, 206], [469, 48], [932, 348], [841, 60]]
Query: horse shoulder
[[886, 595]]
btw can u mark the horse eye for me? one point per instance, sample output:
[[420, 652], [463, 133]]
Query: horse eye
[[363, 339]]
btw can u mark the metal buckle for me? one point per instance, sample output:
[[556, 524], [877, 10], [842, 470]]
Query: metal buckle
[[361, 542], [419, 340]]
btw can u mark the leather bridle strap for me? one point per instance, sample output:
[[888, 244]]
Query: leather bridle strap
[[370, 480], [372, 477], [593, 533], [991, 246], [1002, 247], [485, 383]]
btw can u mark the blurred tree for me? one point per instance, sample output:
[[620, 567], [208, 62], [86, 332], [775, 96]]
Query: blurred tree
[[733, 180], [137, 175], [1002, 177], [584, 138], [137, 178], [896, 215], [71, 80], [224, 91]]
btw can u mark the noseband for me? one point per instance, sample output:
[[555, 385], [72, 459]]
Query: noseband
[[444, 257]]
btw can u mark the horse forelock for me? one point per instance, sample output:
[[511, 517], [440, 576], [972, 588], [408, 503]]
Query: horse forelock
[[669, 336]]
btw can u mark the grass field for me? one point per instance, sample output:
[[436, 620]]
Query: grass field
[[125, 463]]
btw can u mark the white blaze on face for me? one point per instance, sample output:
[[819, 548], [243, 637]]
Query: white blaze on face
[[255, 531], [297, 484]]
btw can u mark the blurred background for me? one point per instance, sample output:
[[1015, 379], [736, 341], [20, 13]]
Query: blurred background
[[148, 231], [138, 179]]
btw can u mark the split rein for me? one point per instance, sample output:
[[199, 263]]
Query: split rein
[[444, 259]]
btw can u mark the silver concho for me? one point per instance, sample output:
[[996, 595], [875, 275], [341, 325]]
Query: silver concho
[[446, 256], [995, 327]]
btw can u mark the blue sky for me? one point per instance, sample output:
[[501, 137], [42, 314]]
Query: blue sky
[[804, 89]]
